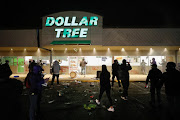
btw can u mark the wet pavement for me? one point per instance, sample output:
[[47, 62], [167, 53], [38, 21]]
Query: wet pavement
[[68, 101]]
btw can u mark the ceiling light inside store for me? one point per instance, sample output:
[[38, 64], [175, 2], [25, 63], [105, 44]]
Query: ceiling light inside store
[[24, 49], [137, 49], [122, 49], [65, 48], [165, 49], [51, 48], [11, 49]]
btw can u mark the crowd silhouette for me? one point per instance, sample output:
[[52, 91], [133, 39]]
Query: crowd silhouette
[[34, 81]]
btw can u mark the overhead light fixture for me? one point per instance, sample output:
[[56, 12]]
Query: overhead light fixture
[[137, 49], [122, 49]]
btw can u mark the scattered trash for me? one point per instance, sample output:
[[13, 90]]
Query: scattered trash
[[45, 84], [76, 81], [115, 100], [59, 93], [92, 84], [47, 95], [103, 106], [85, 95], [94, 92], [92, 96], [51, 101], [68, 103], [16, 76], [91, 101], [90, 113], [90, 106]]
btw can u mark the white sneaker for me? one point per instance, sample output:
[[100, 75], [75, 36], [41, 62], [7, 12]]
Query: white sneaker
[[110, 109], [124, 98], [97, 102]]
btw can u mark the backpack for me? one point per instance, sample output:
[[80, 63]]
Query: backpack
[[27, 82]]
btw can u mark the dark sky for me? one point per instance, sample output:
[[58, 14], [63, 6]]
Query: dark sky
[[27, 14]]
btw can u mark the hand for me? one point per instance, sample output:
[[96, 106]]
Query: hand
[[146, 86]]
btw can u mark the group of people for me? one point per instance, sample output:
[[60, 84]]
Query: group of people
[[143, 65], [170, 79]]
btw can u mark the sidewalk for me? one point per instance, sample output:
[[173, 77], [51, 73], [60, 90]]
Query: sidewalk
[[86, 78]]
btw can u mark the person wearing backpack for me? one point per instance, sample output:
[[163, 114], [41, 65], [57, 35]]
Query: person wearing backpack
[[154, 76]]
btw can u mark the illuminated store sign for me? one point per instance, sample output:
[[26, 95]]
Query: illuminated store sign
[[71, 22]]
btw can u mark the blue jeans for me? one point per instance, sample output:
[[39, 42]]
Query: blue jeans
[[34, 109]]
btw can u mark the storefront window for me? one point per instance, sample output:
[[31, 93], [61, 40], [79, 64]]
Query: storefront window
[[63, 60]]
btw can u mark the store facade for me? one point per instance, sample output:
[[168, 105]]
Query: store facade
[[72, 35]]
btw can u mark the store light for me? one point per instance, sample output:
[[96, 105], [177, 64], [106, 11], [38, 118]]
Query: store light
[[151, 49], [137, 49], [108, 48], [179, 49], [79, 49], [24, 49], [51, 48], [65, 48], [11, 49], [94, 48], [122, 49], [165, 49]]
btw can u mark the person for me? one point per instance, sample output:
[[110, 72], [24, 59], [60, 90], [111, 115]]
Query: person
[[163, 63], [29, 67], [143, 67], [83, 66], [10, 91], [40, 63], [153, 61], [125, 78], [170, 79], [33, 63], [154, 76], [0, 62], [105, 86], [115, 72], [55, 70], [36, 80]]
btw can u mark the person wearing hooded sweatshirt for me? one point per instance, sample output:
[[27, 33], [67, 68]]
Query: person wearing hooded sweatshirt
[[56, 69], [171, 81], [35, 91], [105, 86], [125, 78]]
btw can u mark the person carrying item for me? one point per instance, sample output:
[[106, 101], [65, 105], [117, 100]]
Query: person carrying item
[[105, 86], [170, 79], [154, 76], [115, 72], [55, 70], [83, 66], [125, 78]]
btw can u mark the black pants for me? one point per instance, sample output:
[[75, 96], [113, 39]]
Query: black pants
[[125, 84], [154, 91], [117, 76], [102, 89], [57, 76]]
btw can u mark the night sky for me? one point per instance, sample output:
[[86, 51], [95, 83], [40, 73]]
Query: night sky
[[28, 14]]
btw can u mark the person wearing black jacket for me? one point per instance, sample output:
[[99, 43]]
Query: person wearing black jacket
[[124, 67], [154, 76], [171, 80], [115, 70], [105, 86]]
